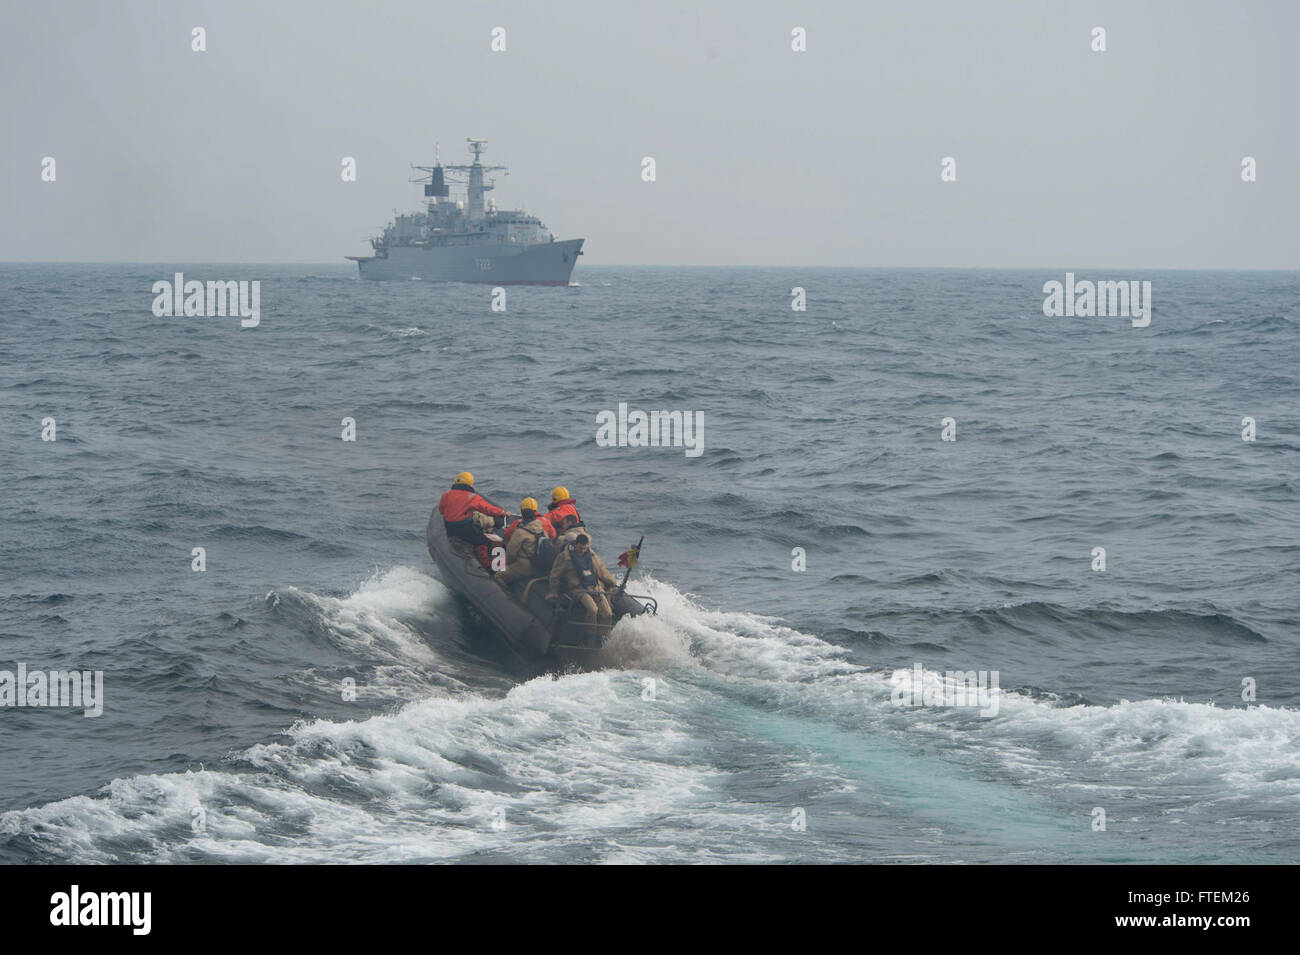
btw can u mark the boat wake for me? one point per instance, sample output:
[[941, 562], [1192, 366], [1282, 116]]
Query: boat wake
[[644, 642], [625, 764]]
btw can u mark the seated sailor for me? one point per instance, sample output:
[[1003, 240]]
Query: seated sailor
[[522, 539], [579, 571], [510, 528], [469, 517], [562, 513]]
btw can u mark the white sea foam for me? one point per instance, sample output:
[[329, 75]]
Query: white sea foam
[[584, 767], [1225, 750], [378, 616], [644, 642], [745, 644], [553, 762]]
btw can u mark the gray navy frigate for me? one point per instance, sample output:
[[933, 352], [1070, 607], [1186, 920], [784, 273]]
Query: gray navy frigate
[[456, 240]]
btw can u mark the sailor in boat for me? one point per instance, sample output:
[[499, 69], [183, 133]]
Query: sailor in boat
[[579, 571], [562, 514], [522, 540], [471, 518]]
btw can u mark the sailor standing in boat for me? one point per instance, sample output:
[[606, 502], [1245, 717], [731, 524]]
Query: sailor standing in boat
[[579, 570]]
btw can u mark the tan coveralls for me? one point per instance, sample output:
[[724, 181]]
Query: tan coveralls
[[520, 551], [565, 577]]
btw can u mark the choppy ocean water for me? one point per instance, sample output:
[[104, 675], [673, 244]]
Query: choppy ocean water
[[224, 735]]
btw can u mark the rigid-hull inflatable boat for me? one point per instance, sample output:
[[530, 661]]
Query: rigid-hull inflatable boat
[[533, 626]]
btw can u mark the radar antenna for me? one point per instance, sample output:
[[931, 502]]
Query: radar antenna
[[471, 175]]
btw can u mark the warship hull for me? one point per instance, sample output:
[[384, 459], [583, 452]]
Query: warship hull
[[547, 263]]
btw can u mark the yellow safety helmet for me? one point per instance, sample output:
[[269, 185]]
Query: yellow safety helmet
[[464, 477], [528, 504], [559, 494]]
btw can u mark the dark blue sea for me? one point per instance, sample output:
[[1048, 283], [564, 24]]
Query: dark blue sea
[[1147, 712]]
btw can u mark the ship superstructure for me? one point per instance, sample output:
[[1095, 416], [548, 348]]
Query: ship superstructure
[[468, 239]]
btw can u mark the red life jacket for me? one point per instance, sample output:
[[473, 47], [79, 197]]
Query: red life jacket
[[550, 531], [461, 501], [554, 517]]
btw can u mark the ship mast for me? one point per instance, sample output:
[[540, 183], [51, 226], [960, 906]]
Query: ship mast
[[475, 170], [474, 210], [477, 188]]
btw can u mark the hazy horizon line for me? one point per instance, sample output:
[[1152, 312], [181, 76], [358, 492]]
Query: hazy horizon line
[[699, 265]]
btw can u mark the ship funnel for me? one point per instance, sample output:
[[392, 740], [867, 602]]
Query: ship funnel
[[437, 186]]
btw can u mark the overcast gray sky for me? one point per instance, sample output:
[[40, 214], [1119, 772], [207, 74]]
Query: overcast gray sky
[[1065, 157]]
